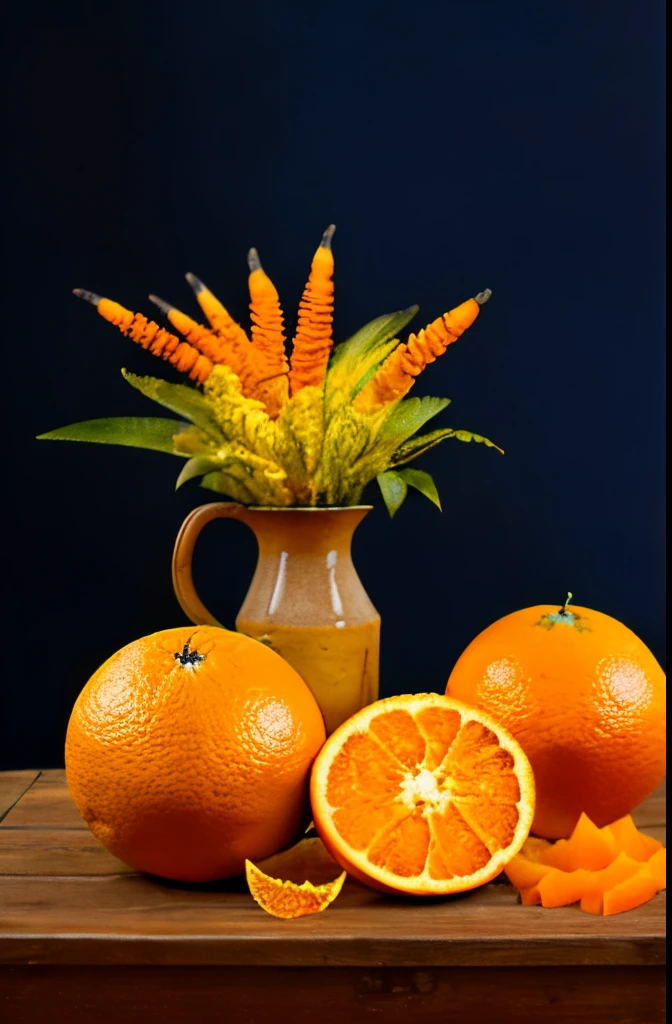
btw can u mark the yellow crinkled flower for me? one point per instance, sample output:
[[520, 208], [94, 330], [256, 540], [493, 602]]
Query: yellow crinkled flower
[[346, 438], [299, 435], [239, 418], [264, 478]]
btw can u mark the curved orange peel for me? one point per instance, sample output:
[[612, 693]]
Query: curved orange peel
[[285, 897]]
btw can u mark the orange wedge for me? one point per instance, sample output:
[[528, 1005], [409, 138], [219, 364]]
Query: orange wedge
[[423, 795], [630, 894], [607, 870], [630, 840]]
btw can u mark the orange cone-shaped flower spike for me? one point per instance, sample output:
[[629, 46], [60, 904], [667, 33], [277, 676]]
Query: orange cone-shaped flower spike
[[313, 340], [155, 339]]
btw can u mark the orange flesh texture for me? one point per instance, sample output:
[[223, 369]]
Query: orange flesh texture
[[423, 797], [184, 771], [586, 702]]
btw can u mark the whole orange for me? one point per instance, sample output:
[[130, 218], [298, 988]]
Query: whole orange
[[584, 697], [189, 751]]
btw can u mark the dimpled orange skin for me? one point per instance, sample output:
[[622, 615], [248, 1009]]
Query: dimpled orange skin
[[185, 770], [584, 697]]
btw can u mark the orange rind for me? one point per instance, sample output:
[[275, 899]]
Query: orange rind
[[284, 896]]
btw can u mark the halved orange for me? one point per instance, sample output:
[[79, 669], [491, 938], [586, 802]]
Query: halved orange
[[422, 794]]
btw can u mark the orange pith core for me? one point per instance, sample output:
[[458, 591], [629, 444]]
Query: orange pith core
[[426, 794]]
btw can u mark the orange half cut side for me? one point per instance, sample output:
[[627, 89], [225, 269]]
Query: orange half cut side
[[422, 794]]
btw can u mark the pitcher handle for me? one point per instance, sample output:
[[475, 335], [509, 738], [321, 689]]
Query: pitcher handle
[[183, 583]]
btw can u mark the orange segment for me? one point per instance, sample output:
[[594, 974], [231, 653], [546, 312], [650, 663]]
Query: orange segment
[[620, 869], [439, 727], [399, 732], [455, 848], [560, 888], [630, 894], [402, 846], [588, 847], [657, 865], [362, 773], [631, 841], [530, 897], [559, 855], [633, 868], [524, 873], [422, 794]]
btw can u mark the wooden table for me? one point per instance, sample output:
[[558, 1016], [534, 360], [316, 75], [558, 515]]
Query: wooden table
[[85, 938]]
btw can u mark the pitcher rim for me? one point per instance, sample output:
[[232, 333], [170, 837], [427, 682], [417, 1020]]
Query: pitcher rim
[[307, 508]]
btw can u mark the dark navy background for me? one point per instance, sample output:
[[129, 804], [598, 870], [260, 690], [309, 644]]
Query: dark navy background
[[457, 146]]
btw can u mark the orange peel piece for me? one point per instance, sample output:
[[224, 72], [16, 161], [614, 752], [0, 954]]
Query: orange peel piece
[[284, 896]]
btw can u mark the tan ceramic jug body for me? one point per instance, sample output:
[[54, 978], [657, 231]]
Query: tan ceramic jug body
[[306, 600]]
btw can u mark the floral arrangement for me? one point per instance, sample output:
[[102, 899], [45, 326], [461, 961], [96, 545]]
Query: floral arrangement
[[265, 430]]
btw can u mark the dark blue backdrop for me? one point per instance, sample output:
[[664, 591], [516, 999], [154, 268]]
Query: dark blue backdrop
[[515, 145]]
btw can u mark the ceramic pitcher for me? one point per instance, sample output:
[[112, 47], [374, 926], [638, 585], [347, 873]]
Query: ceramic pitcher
[[305, 601]]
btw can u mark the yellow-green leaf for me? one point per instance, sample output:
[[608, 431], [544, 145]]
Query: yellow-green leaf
[[410, 415], [393, 489], [199, 465], [224, 483], [179, 398], [417, 445], [422, 482], [132, 431], [354, 360]]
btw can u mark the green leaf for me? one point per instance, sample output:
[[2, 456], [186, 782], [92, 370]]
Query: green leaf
[[223, 483], [198, 466], [466, 435], [417, 445], [354, 360], [179, 398], [393, 488], [422, 482], [410, 415], [132, 431]]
